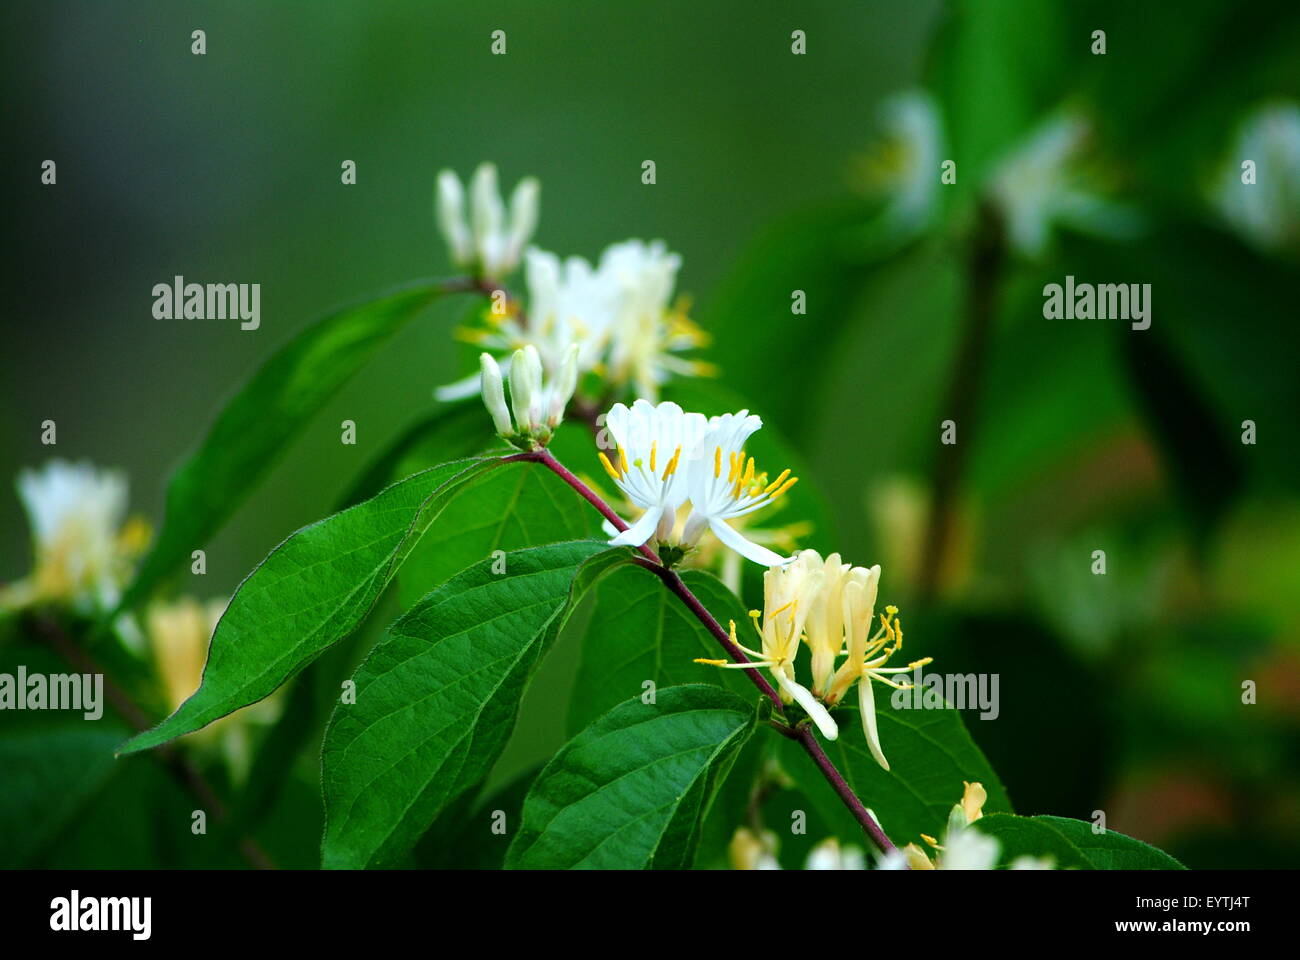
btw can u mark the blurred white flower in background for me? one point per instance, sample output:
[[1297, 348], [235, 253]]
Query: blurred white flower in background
[[179, 633], [1265, 213], [1044, 183], [84, 546]]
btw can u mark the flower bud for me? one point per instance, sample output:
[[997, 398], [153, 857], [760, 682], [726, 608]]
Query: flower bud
[[494, 396], [566, 381], [525, 388]]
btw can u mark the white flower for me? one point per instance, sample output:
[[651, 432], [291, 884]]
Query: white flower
[[1267, 212], [723, 485], [964, 847], [1041, 184], [568, 302], [616, 312], [537, 403], [82, 550], [750, 850], [491, 242], [648, 442], [829, 855], [903, 167], [645, 332]]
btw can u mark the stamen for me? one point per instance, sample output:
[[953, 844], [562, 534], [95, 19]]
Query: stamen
[[777, 482], [717, 462], [785, 486], [672, 464], [653, 448], [609, 467], [622, 457]]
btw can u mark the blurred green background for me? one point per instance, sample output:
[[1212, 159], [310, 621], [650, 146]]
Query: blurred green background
[[1120, 693]]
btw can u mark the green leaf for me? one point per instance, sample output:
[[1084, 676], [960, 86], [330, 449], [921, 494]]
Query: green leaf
[[639, 631], [999, 65], [524, 505], [633, 789], [48, 775], [263, 417], [437, 697], [311, 591], [930, 755], [1072, 844], [450, 432]]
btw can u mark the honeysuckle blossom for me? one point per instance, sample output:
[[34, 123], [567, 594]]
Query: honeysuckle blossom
[[829, 855], [902, 168], [753, 850], [179, 632], [83, 548], [1043, 183], [964, 847], [617, 312], [647, 332], [649, 441], [868, 653], [536, 403], [491, 240], [723, 485], [1265, 212], [788, 594]]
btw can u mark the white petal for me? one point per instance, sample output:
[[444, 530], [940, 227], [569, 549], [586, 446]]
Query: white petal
[[745, 547], [803, 696], [867, 707], [639, 532]]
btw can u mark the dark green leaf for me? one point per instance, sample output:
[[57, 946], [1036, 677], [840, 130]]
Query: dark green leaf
[[521, 505], [633, 789], [640, 632], [1072, 844], [930, 755], [311, 591], [437, 697]]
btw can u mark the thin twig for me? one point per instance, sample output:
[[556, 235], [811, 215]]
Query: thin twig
[[961, 404]]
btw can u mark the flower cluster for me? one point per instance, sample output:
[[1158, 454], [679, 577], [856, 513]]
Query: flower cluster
[[830, 606], [536, 401], [619, 312]]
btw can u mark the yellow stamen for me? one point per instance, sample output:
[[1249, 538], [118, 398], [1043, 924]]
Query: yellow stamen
[[609, 467], [653, 448], [777, 482], [622, 458], [712, 663], [785, 486], [717, 462], [672, 464]]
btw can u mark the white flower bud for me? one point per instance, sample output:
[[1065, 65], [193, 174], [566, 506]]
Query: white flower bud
[[524, 209], [525, 388], [451, 219], [494, 396], [566, 382]]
